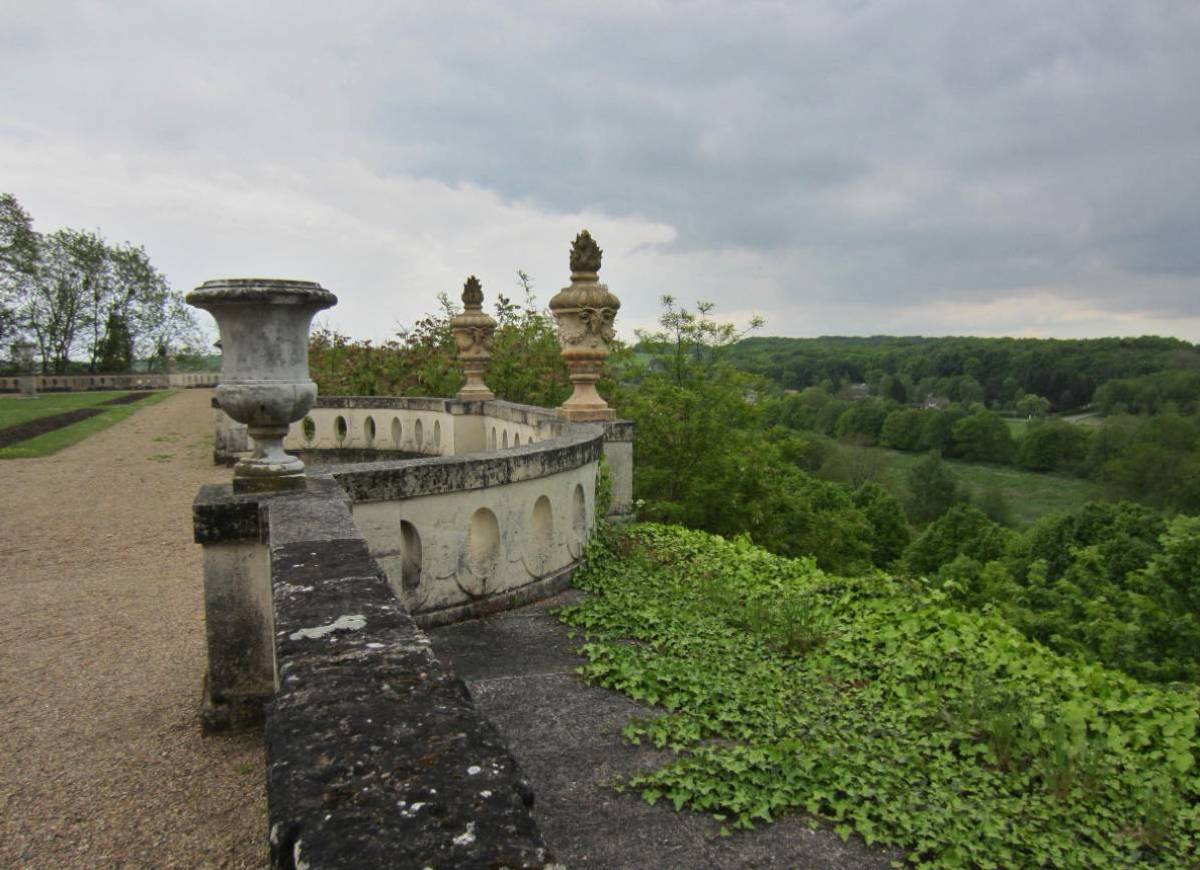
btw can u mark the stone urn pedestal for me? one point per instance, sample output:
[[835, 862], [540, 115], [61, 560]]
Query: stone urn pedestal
[[27, 380], [585, 311], [264, 326], [473, 332]]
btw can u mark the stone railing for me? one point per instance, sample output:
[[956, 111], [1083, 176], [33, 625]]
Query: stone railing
[[315, 599], [80, 383], [376, 756], [495, 512], [317, 581]]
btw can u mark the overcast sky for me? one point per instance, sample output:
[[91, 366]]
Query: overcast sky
[[985, 168]]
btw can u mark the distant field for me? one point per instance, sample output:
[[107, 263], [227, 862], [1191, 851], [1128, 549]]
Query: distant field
[[1016, 426], [15, 411], [1029, 494]]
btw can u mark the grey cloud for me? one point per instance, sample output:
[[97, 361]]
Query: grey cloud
[[906, 153]]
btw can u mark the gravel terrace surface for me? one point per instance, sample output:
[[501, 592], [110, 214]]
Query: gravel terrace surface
[[102, 763]]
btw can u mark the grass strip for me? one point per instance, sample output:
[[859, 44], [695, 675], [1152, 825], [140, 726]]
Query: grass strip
[[51, 442], [32, 428], [15, 409]]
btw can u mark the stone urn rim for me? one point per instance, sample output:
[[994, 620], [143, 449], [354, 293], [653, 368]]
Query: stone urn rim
[[251, 291]]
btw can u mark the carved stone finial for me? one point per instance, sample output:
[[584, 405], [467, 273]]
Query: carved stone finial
[[585, 311], [585, 253], [473, 331], [472, 295]]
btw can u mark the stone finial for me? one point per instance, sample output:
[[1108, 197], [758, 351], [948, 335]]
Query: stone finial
[[473, 332], [585, 311], [472, 295], [585, 253]]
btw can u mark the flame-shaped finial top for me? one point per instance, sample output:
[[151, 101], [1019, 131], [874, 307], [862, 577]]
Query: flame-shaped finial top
[[472, 295], [585, 253]]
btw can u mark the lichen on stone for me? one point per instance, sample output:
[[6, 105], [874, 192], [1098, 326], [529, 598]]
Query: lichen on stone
[[585, 253]]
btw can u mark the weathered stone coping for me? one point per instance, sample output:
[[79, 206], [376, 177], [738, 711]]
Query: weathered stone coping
[[407, 478], [532, 415], [376, 756]]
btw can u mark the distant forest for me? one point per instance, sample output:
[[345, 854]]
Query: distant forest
[[995, 371]]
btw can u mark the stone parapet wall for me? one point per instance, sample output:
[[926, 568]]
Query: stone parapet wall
[[464, 529], [82, 383], [376, 756], [315, 599], [466, 535]]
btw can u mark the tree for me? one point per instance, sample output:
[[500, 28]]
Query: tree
[[932, 489], [937, 430], [116, 348], [18, 262], [890, 533], [960, 531], [67, 288], [902, 429], [1032, 407], [527, 364], [983, 437], [73, 271], [1052, 444], [155, 315], [691, 411], [863, 420], [703, 457]]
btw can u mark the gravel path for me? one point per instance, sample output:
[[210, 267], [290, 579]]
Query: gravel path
[[102, 763]]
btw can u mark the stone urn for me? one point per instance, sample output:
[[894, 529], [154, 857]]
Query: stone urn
[[585, 312], [22, 352], [264, 384], [473, 331], [23, 357]]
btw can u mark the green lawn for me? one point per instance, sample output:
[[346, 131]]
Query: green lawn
[[1030, 494], [15, 410]]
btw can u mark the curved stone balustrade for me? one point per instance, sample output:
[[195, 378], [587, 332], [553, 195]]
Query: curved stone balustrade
[[492, 511]]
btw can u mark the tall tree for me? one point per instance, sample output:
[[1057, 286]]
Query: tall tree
[[73, 273], [73, 293], [18, 262]]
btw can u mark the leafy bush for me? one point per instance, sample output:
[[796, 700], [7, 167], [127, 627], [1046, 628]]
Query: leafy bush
[[960, 531], [526, 365], [879, 707]]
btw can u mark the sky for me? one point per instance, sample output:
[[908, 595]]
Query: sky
[[837, 168]]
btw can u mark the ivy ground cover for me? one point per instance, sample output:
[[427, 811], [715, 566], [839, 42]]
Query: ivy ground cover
[[879, 707]]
